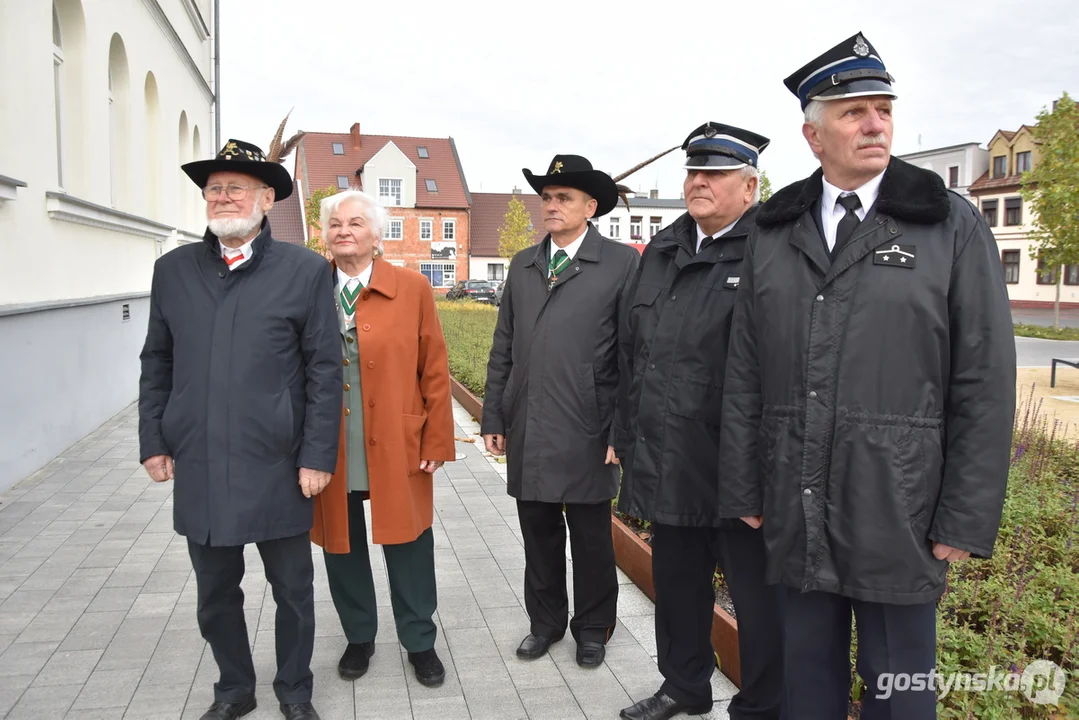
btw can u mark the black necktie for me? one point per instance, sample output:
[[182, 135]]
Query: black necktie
[[849, 222]]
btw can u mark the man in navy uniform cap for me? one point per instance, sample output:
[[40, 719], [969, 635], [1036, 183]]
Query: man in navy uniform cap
[[673, 341], [869, 396]]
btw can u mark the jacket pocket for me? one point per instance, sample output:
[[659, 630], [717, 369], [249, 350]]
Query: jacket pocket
[[589, 399], [645, 295], [412, 427], [696, 399]]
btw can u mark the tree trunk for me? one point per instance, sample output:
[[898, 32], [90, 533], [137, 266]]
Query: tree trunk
[[1056, 301]]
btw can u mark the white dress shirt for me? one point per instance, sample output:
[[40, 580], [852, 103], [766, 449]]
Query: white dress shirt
[[247, 250], [831, 212], [343, 281], [571, 249], [702, 235]]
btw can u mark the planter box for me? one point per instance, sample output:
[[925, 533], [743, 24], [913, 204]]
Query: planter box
[[468, 401], [634, 557]]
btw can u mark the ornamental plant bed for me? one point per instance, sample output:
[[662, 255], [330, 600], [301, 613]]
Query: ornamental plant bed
[[634, 556]]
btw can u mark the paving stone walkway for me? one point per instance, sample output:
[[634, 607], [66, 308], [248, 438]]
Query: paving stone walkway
[[97, 608]]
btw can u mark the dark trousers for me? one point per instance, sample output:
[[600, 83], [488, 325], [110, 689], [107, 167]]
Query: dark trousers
[[290, 572], [595, 580], [411, 570], [684, 560], [891, 639]]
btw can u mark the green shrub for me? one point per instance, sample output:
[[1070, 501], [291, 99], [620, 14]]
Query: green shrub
[[1051, 333], [469, 329]]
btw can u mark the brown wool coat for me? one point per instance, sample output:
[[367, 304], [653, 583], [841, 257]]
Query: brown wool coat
[[407, 413]]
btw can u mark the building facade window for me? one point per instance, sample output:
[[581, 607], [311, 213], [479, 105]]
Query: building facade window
[[440, 275], [1022, 162], [1071, 274], [654, 225], [426, 228], [57, 77], [614, 227], [496, 271], [421, 150], [635, 227], [449, 229], [1010, 260], [432, 186], [389, 191], [1013, 211], [989, 212], [395, 229], [1046, 277], [338, 148], [1000, 166], [342, 182], [953, 176]]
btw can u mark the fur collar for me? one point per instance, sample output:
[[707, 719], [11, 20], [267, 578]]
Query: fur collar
[[907, 193]]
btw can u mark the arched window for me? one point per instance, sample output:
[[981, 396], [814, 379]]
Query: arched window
[[68, 36], [153, 147], [119, 122]]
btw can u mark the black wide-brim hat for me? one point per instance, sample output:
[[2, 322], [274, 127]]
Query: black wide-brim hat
[[242, 157], [576, 172]]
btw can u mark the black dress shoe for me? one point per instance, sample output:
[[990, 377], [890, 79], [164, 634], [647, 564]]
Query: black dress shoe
[[229, 711], [590, 653], [356, 660], [429, 669], [660, 707], [299, 711], [535, 646]]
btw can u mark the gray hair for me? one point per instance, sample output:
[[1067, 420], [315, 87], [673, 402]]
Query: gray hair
[[377, 217], [751, 172], [814, 113]]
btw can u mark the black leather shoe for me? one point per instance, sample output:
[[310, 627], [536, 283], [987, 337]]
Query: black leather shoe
[[356, 660], [535, 646], [229, 711], [660, 707], [299, 711], [590, 653], [429, 669]]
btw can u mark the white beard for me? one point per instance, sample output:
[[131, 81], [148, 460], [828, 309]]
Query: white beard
[[230, 228]]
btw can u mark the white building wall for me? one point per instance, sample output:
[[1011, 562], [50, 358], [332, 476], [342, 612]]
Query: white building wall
[[478, 267], [392, 164], [621, 218], [77, 255], [971, 160]]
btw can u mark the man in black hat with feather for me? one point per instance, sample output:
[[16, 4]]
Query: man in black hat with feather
[[240, 404], [549, 402]]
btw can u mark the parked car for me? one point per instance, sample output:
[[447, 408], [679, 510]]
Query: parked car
[[478, 290], [498, 292]]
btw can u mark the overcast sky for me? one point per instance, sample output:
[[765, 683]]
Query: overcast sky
[[617, 82]]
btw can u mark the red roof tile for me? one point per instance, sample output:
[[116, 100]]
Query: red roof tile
[[322, 167], [488, 213], [286, 219], [987, 184]]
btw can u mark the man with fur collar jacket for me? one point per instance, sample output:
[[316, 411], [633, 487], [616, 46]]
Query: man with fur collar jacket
[[869, 396]]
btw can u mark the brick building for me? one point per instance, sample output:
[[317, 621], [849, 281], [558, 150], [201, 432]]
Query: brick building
[[421, 183], [488, 214]]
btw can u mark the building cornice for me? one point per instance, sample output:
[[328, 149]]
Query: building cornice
[[62, 206], [9, 186]]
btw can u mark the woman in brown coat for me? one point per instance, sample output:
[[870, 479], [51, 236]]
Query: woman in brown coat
[[396, 431]]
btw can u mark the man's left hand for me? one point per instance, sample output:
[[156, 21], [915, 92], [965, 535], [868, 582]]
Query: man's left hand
[[429, 466], [947, 552], [312, 482]]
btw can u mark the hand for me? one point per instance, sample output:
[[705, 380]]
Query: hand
[[754, 521], [159, 467], [947, 552], [312, 482], [612, 459], [496, 444], [429, 466]]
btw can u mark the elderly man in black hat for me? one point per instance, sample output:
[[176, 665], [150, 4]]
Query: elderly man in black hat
[[674, 341], [549, 402], [240, 403], [869, 397]]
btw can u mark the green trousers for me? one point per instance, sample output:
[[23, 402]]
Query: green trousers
[[411, 569]]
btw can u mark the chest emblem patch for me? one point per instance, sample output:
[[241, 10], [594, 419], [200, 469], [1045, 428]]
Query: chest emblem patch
[[896, 256], [731, 282]]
